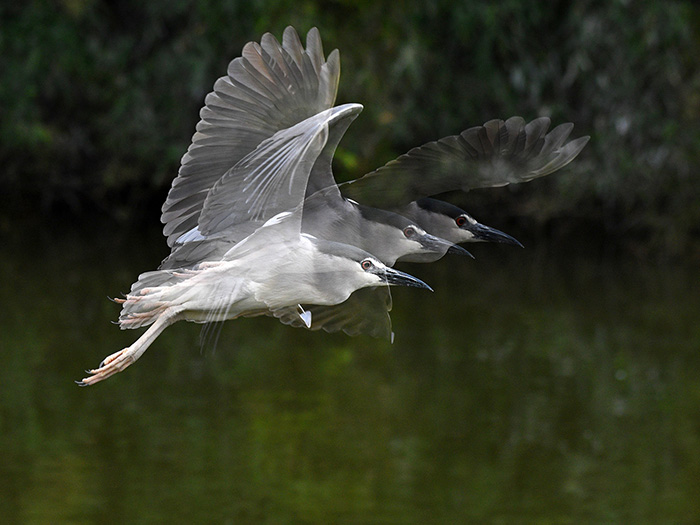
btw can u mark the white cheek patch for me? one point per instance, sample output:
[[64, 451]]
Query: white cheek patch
[[471, 220]]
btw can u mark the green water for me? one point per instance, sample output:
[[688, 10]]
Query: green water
[[533, 386]]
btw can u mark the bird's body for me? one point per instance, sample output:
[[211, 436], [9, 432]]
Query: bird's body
[[253, 278], [271, 272]]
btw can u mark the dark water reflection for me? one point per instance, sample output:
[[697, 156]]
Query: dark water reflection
[[530, 387]]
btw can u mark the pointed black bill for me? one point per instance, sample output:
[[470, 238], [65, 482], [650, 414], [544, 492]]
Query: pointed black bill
[[456, 249], [488, 234], [442, 246]]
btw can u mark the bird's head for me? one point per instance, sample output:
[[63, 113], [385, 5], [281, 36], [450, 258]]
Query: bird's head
[[348, 268], [456, 225], [381, 275]]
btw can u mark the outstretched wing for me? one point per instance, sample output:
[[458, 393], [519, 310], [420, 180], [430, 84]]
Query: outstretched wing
[[271, 87], [267, 182], [270, 180], [495, 154]]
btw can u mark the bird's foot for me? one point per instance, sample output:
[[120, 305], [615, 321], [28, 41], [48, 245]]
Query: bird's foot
[[111, 365]]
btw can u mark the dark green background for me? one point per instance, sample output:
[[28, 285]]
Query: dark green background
[[555, 384], [99, 99]]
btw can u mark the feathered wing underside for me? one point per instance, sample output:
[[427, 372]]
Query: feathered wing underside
[[271, 87], [365, 312], [271, 180], [495, 154]]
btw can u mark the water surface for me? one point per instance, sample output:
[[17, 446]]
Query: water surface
[[533, 386]]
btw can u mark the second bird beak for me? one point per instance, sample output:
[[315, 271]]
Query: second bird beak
[[442, 246], [399, 278]]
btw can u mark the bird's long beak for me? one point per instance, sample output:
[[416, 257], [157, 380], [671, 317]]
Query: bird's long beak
[[456, 249], [488, 234], [398, 278], [442, 246]]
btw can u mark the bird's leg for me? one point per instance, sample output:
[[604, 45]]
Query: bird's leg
[[118, 361]]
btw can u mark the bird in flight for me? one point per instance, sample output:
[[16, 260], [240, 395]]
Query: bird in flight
[[257, 224]]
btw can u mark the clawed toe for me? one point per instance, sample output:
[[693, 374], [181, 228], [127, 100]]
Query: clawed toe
[[108, 367], [118, 361]]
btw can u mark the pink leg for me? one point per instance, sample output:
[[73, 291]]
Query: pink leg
[[118, 361]]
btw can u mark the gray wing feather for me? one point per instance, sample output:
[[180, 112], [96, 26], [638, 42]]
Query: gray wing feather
[[495, 154], [272, 86], [192, 253], [270, 180]]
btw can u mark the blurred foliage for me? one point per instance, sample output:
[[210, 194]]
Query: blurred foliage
[[99, 100]]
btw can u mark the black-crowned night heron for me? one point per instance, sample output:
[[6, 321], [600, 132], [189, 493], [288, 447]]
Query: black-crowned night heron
[[257, 224], [453, 223]]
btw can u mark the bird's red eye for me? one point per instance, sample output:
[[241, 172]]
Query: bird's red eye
[[409, 231], [366, 264], [461, 220]]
